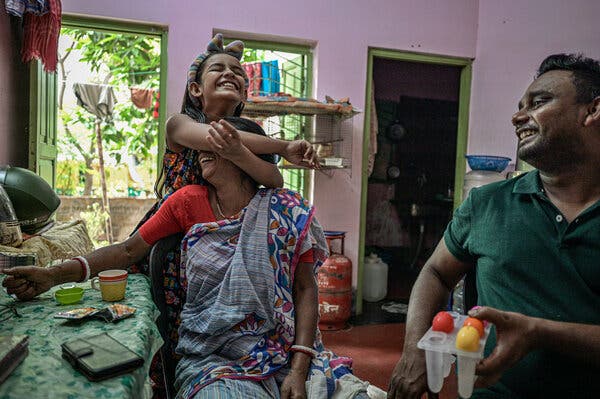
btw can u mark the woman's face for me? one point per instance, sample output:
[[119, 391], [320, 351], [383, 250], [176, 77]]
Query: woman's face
[[222, 82], [215, 168]]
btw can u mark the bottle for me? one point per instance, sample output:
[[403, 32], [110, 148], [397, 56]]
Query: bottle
[[10, 230], [375, 279]]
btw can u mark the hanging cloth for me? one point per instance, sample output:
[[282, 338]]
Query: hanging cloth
[[155, 113], [141, 98], [40, 38], [20, 7], [270, 77], [373, 132], [96, 98], [253, 70]]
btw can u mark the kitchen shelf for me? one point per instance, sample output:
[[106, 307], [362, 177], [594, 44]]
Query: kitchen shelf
[[328, 126]]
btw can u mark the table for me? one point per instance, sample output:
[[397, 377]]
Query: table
[[45, 374]]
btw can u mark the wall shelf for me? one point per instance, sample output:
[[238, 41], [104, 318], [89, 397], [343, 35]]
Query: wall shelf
[[328, 126]]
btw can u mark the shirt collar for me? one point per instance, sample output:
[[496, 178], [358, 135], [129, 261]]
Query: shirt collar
[[529, 183]]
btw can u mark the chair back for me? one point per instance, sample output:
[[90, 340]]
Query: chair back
[[157, 263]]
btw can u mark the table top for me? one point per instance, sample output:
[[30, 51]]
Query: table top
[[45, 374]]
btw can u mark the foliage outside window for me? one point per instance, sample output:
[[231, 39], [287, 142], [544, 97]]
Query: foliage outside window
[[129, 138]]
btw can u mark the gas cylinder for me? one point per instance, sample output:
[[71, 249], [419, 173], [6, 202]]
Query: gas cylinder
[[335, 286]]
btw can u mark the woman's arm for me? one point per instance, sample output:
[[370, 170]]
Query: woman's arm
[[26, 282], [306, 305]]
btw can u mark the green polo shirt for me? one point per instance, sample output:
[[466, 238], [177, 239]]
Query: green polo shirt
[[530, 260]]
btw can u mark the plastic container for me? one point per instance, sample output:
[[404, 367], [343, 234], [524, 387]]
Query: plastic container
[[487, 162], [68, 296], [478, 178], [440, 353], [375, 279], [10, 230]]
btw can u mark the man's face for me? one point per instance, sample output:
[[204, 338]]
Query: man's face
[[549, 120]]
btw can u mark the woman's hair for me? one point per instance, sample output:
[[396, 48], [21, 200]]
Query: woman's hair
[[239, 123]]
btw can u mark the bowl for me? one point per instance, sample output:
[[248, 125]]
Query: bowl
[[68, 296], [487, 162]]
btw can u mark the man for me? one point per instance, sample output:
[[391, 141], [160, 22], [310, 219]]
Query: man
[[534, 242]]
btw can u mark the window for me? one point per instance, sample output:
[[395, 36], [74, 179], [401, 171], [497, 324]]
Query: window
[[275, 69]]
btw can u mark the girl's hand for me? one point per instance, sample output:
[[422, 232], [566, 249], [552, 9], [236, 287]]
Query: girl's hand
[[302, 153], [225, 140], [293, 385]]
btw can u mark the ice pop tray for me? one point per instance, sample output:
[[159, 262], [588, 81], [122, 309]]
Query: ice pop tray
[[440, 351]]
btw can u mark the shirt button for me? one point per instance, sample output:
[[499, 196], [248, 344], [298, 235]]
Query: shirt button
[[559, 218]]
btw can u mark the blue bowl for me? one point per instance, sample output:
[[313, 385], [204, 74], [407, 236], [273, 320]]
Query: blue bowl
[[487, 162]]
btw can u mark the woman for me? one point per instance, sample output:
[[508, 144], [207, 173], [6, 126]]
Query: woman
[[249, 324]]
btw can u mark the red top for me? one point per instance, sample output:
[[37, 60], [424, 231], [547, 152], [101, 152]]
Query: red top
[[184, 208]]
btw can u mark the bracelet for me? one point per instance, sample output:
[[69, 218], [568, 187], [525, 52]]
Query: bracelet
[[85, 268], [304, 349]]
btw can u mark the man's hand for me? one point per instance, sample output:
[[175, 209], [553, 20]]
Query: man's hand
[[293, 386], [27, 282], [409, 378], [514, 339], [225, 140], [302, 153]]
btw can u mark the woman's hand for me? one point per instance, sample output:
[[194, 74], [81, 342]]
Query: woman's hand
[[225, 140], [302, 153], [27, 282], [293, 385]]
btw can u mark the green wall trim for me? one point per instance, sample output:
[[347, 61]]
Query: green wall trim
[[113, 25], [461, 137]]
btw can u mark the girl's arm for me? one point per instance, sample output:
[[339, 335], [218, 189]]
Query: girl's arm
[[226, 141], [182, 131]]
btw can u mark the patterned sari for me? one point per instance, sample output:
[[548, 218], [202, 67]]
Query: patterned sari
[[238, 319]]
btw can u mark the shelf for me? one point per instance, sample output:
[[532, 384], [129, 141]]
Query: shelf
[[323, 167], [298, 107]]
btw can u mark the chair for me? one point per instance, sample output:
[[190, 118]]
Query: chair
[[158, 260]]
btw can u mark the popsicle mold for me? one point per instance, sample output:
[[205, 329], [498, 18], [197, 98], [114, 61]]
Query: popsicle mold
[[441, 351]]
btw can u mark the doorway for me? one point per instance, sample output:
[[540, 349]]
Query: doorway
[[419, 108]]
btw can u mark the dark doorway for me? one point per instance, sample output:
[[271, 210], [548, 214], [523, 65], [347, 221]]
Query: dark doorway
[[411, 188]]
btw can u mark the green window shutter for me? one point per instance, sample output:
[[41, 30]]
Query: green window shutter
[[42, 123]]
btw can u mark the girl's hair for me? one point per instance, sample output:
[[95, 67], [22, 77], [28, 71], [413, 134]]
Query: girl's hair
[[195, 111]]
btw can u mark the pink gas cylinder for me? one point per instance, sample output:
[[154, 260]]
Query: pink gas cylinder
[[335, 286]]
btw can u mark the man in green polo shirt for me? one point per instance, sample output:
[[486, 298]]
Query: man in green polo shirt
[[534, 243]]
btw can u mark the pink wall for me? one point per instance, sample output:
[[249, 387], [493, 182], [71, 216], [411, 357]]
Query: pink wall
[[507, 38], [343, 31], [514, 37]]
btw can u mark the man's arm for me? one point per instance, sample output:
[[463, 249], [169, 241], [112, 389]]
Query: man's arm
[[518, 334], [430, 294]]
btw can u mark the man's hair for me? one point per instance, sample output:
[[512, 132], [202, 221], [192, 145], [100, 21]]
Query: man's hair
[[586, 73]]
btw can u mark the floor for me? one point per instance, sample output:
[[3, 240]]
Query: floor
[[375, 338], [375, 350]]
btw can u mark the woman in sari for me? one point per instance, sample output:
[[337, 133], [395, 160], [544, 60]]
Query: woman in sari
[[249, 261]]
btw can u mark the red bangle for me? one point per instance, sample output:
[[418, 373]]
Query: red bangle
[[85, 268], [304, 349]]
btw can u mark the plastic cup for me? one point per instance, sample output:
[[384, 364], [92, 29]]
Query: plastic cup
[[435, 362], [466, 375]]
